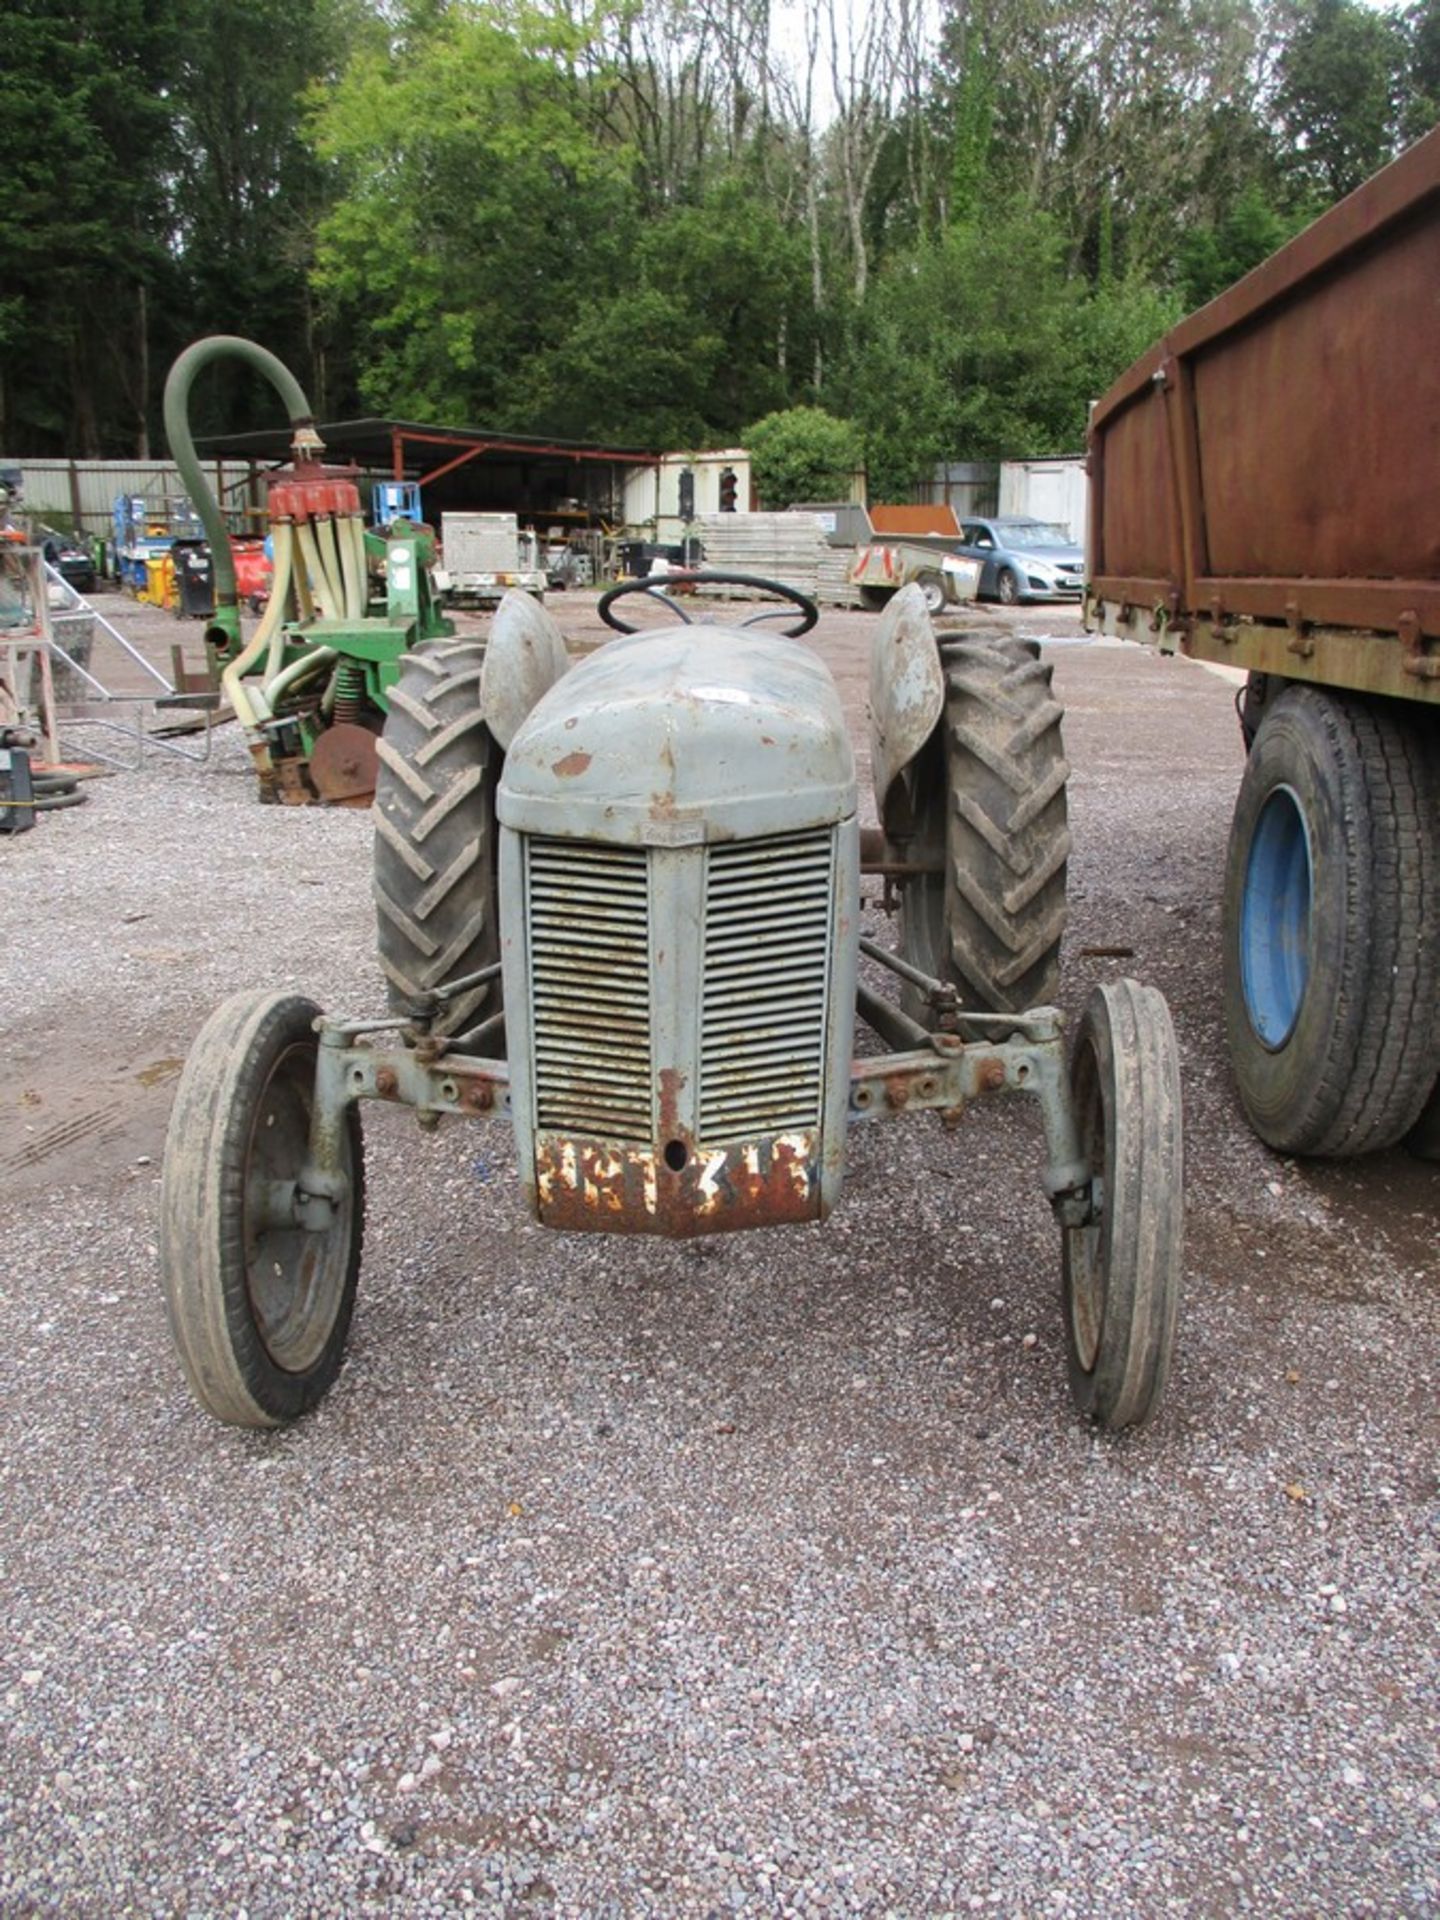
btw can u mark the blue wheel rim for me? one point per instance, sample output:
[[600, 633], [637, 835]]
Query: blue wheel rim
[[1275, 919]]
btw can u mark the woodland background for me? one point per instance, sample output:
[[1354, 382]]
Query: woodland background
[[948, 223]]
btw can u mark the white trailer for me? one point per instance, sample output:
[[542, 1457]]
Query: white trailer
[[483, 555]]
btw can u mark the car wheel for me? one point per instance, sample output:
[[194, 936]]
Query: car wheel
[[1007, 587]]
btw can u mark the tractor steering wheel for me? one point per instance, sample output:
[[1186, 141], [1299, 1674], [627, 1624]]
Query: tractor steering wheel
[[655, 588]]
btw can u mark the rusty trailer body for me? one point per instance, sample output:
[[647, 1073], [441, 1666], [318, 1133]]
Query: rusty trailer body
[[1264, 498], [1264, 479]]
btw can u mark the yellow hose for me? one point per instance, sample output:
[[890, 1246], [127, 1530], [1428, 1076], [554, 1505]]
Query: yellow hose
[[321, 585], [260, 640], [352, 565], [329, 550]]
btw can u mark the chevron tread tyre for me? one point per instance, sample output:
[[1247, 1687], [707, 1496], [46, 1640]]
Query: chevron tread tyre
[[437, 916], [1007, 841]]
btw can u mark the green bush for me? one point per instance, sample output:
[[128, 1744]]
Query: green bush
[[802, 454]]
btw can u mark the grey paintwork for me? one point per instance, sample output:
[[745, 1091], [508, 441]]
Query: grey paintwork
[[677, 742], [524, 657], [674, 738], [907, 697]]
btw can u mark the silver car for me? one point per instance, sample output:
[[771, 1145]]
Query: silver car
[[1023, 559]]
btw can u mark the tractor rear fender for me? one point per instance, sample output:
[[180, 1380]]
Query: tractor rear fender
[[907, 699], [523, 660]]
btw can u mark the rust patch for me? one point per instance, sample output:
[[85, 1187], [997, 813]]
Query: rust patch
[[589, 1186], [572, 764]]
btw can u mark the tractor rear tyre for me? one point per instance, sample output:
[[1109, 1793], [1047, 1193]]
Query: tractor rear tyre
[[437, 908], [1332, 925], [1121, 1270], [259, 1306], [992, 812]]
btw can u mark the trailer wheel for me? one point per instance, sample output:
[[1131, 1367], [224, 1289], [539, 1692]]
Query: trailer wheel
[[259, 1306], [1332, 925], [932, 587], [437, 910], [992, 808], [1121, 1270]]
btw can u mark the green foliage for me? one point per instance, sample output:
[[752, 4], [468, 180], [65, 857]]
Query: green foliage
[[473, 210], [1340, 81], [1214, 257], [83, 219], [618, 224], [803, 453], [628, 372], [982, 342]]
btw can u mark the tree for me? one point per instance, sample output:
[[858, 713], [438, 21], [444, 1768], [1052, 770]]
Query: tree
[[249, 190], [1213, 257], [631, 371], [475, 216], [1337, 96], [84, 88], [802, 454], [980, 345]]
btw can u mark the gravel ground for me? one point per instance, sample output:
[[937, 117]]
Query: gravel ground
[[767, 1575]]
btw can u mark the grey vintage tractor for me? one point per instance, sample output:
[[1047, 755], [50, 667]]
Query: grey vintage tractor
[[619, 910]]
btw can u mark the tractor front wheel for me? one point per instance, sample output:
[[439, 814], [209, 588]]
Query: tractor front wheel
[[1121, 1273], [259, 1304]]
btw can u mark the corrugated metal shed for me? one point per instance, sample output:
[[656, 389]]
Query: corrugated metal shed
[[83, 492]]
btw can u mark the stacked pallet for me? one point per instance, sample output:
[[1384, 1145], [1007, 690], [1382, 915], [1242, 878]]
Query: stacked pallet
[[832, 580], [787, 547]]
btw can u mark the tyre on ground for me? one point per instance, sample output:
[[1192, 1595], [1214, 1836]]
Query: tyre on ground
[[259, 1305], [991, 816], [1332, 924], [1121, 1268], [436, 900]]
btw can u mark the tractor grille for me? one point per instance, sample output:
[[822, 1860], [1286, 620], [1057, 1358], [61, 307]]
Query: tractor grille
[[768, 906], [590, 988]]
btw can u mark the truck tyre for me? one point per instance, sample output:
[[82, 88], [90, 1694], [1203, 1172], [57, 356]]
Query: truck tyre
[[259, 1306], [990, 814], [437, 911], [1332, 925], [1121, 1267], [1250, 703], [876, 599]]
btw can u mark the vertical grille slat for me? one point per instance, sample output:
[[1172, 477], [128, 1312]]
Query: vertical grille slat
[[589, 925], [768, 907]]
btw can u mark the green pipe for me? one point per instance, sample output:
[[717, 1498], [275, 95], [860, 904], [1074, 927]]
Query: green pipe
[[219, 346]]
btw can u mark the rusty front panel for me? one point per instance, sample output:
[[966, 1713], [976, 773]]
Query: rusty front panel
[[1319, 426], [597, 1186], [1138, 525]]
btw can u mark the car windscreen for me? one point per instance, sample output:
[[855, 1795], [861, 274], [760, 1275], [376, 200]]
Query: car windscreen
[[1034, 533]]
